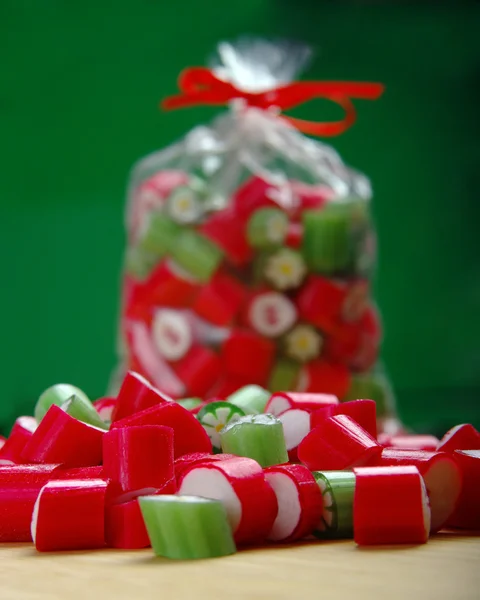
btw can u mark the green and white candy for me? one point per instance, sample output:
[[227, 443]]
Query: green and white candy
[[259, 437], [82, 409], [57, 394], [338, 490], [252, 399], [215, 416], [267, 228], [187, 527]]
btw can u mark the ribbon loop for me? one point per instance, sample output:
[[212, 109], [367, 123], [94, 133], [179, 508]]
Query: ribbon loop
[[200, 86]]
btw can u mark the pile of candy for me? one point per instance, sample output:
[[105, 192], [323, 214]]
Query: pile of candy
[[272, 289], [196, 479]]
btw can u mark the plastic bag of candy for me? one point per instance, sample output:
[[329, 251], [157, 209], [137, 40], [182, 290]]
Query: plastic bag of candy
[[251, 246]]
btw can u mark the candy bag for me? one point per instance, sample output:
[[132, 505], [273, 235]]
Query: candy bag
[[251, 247]]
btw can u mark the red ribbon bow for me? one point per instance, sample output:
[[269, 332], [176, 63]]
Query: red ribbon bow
[[199, 85]]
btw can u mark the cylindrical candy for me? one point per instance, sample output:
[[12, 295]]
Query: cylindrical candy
[[69, 515], [252, 399], [21, 433], [82, 409], [224, 230], [104, 407], [246, 354], [284, 375], [62, 439], [124, 526], [197, 254], [361, 411], [137, 458], [299, 502], [198, 370], [239, 483], [337, 489], [172, 333], [320, 302], [460, 437], [168, 285], [297, 424], [256, 436], [271, 314], [214, 416], [467, 513], [411, 442], [19, 488], [303, 343], [281, 401], [57, 394], [136, 394], [220, 300], [322, 376], [390, 506], [440, 473], [285, 269], [189, 435], [338, 443], [187, 527], [267, 227], [183, 463]]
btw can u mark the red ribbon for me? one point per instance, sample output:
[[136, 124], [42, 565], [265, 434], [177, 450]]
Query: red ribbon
[[200, 86]]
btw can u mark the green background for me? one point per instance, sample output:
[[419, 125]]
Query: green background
[[79, 88]]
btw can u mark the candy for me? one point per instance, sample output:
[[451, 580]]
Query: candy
[[325, 377], [19, 488], [160, 235], [299, 502], [337, 489], [124, 526], [137, 458], [190, 403], [281, 401], [183, 463], [460, 437], [390, 506], [356, 301], [320, 302], [136, 394], [21, 433], [254, 194], [247, 355], [82, 409], [198, 370], [284, 375], [187, 527], [412, 442], [60, 438], [285, 269], [69, 515], [171, 334], [184, 205], [239, 483], [214, 416], [104, 408], [252, 399], [338, 443], [189, 435], [441, 475], [271, 314], [79, 473], [57, 394], [196, 254], [219, 301], [168, 285], [467, 513], [362, 412], [267, 227], [224, 229], [303, 343], [255, 436], [296, 424], [294, 236], [374, 386], [139, 264]]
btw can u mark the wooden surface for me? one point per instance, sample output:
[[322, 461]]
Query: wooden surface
[[447, 567]]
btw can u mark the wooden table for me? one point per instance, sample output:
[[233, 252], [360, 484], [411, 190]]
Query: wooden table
[[448, 567]]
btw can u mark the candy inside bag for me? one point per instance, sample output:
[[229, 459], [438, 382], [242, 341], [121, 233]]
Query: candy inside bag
[[251, 247]]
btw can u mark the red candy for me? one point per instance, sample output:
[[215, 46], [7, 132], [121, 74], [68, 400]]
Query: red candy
[[104, 407], [19, 488], [219, 301], [411, 442], [390, 506], [21, 433], [240, 484], [467, 512], [136, 394], [124, 526], [282, 401], [69, 515], [338, 443], [461, 437], [246, 354], [199, 370], [224, 229], [189, 435], [60, 438], [364, 412], [329, 377], [320, 302]]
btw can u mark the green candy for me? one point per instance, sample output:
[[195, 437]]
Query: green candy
[[189, 403], [252, 399], [196, 254], [82, 409], [338, 490], [187, 527], [267, 228], [160, 235], [284, 376], [331, 236], [256, 436], [138, 263], [214, 416], [57, 394]]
